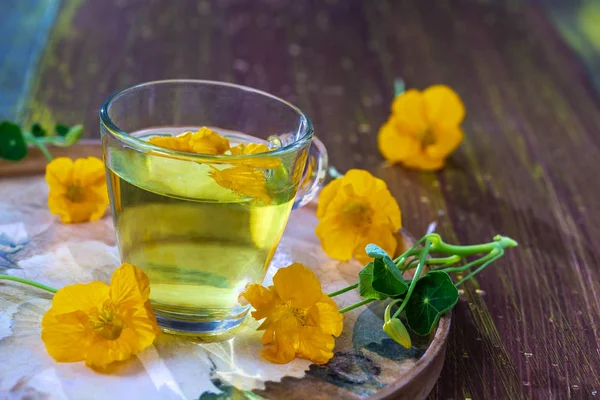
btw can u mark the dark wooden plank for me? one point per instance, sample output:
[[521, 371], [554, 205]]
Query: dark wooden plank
[[527, 328]]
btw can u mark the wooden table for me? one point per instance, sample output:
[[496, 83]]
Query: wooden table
[[528, 168]]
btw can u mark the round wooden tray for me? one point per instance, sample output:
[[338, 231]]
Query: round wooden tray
[[367, 364]]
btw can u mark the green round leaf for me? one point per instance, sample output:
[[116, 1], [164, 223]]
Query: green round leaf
[[61, 129], [37, 130], [384, 281], [12, 143], [365, 284], [434, 295], [396, 330]]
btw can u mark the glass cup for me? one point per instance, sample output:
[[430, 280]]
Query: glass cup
[[204, 226]]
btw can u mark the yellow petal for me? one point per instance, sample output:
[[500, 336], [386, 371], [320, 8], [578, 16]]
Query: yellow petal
[[315, 345], [447, 139], [261, 298], [103, 352], [382, 236], [338, 238], [152, 317], [129, 286], [178, 143], [262, 162], [66, 336], [327, 195], [59, 173], [243, 180], [88, 172], [443, 106], [269, 336], [92, 208], [423, 162], [144, 330], [282, 352], [79, 297], [298, 284], [363, 182], [250, 148], [408, 111], [395, 146], [386, 209], [329, 318], [207, 141]]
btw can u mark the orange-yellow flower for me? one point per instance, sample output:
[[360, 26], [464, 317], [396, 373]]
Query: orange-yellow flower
[[77, 189], [424, 128], [353, 211], [263, 162], [300, 320], [178, 143], [99, 323], [243, 180], [205, 141]]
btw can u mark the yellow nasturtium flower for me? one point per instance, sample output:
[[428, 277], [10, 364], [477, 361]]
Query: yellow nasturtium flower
[[100, 324], [178, 143], [353, 211], [77, 189], [244, 178], [424, 128], [205, 141], [300, 320]]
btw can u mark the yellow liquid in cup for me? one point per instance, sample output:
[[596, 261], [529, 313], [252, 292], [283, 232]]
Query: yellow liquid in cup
[[198, 242]]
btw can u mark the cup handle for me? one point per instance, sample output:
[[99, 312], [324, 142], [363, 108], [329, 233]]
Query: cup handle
[[315, 174]]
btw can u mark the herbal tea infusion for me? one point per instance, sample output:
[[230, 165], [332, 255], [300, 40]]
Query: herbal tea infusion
[[200, 231], [202, 177]]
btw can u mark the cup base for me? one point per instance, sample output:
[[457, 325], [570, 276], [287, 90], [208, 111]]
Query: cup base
[[204, 330]]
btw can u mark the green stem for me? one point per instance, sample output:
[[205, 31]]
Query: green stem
[[439, 246], [32, 139], [27, 282], [356, 305], [344, 290], [410, 264], [444, 260], [496, 255], [469, 265], [411, 251], [386, 314], [415, 278]]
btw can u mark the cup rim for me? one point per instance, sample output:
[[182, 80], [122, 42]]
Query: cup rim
[[147, 146]]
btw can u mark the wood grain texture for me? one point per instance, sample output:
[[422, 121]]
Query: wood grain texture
[[528, 327]]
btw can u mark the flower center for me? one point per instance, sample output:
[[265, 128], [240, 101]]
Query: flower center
[[427, 137], [358, 212], [301, 316], [106, 322], [74, 193]]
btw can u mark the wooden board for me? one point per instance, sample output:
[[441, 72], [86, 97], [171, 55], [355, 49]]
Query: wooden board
[[367, 364], [35, 161]]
